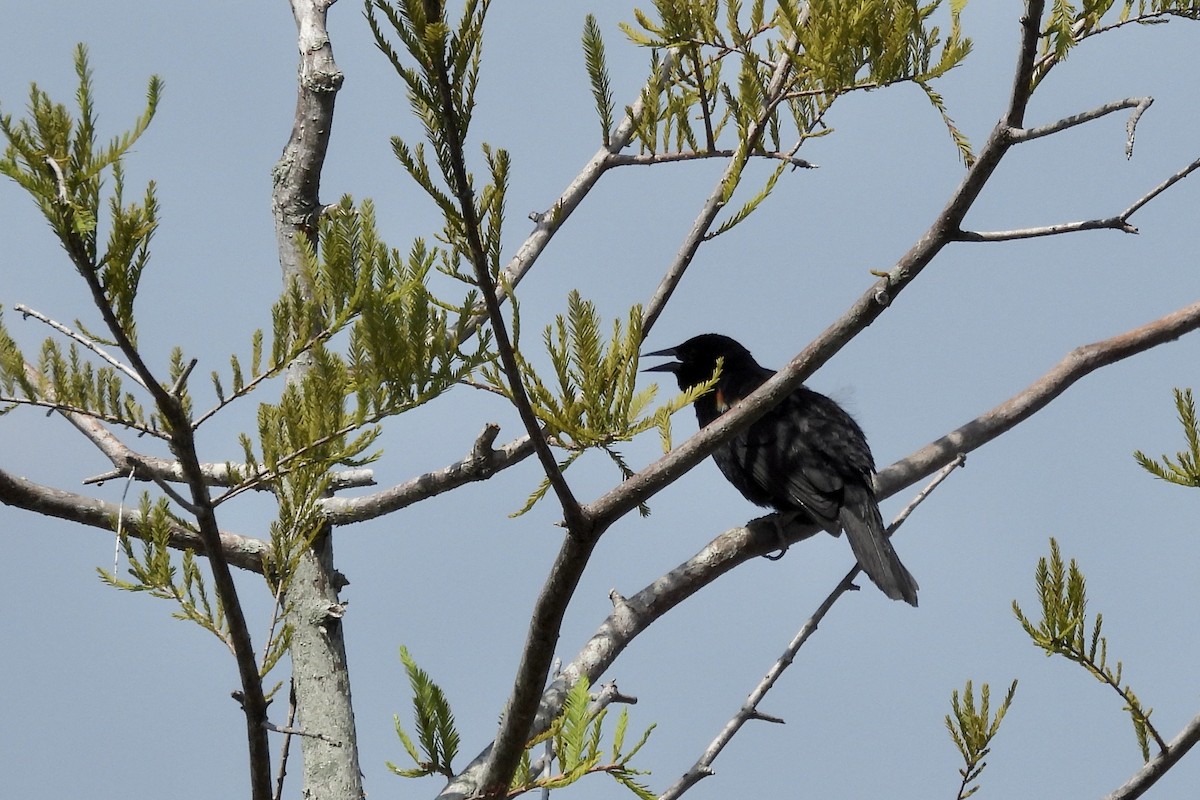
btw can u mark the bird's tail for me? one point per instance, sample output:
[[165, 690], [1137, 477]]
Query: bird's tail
[[864, 528]]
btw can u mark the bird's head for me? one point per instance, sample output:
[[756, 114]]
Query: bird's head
[[696, 359]]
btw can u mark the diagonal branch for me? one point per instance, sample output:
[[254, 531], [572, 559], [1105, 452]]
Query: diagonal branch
[[480, 464], [460, 184], [241, 551], [87, 342], [712, 206], [632, 616], [749, 709], [644, 484], [175, 420], [547, 223], [1155, 768]]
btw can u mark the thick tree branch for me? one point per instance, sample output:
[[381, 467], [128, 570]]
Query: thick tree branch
[[480, 464], [749, 709], [643, 485], [1155, 768], [631, 616], [240, 551], [313, 608], [1079, 362]]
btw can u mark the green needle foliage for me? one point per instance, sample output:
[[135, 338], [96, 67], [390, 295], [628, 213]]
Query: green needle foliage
[[573, 740], [973, 729], [597, 70], [834, 47], [436, 732], [574, 744], [431, 44], [57, 158], [1062, 631], [1070, 23], [154, 572], [403, 346], [1185, 469], [592, 401], [843, 46]]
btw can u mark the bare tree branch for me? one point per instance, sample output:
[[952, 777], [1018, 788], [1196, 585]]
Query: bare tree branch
[[749, 709], [1155, 768], [1110, 223], [1139, 104], [1119, 222], [1078, 363], [649, 159], [240, 551], [313, 608], [480, 464], [549, 221], [631, 616], [1162, 187], [644, 484], [90, 344]]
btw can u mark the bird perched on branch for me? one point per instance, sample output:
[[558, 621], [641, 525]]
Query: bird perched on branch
[[805, 456]]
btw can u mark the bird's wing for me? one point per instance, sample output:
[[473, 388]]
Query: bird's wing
[[803, 453]]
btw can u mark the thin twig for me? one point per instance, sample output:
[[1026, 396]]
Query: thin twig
[[181, 381], [59, 179], [290, 731], [749, 709], [1139, 104], [86, 341], [1155, 768], [287, 741], [1111, 223], [120, 531], [1162, 187], [649, 159], [1119, 222]]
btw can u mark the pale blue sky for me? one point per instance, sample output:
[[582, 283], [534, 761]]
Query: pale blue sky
[[104, 695]]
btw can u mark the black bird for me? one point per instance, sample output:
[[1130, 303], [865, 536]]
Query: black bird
[[805, 455]]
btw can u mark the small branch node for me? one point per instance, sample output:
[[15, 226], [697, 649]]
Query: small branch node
[[285, 729], [1131, 124], [482, 449], [181, 381], [59, 179], [763, 717]]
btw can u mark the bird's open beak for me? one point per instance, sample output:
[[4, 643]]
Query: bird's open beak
[[670, 366]]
